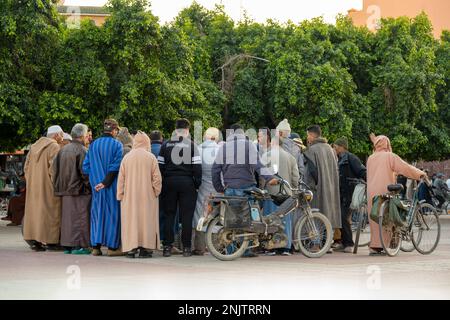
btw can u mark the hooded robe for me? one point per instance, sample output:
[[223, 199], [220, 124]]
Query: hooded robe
[[42, 220], [383, 166], [73, 188], [325, 184], [138, 188]]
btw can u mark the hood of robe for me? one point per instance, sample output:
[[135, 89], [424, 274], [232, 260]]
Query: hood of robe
[[41, 145], [319, 140], [141, 141], [382, 143]]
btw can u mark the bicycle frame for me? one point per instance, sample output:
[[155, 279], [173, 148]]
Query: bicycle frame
[[412, 208]]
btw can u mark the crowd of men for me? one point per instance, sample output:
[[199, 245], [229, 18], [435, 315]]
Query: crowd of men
[[129, 193]]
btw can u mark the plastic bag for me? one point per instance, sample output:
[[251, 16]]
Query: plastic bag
[[359, 196], [377, 201], [398, 212]]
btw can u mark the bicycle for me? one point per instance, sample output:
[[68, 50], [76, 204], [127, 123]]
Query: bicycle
[[442, 204], [422, 226]]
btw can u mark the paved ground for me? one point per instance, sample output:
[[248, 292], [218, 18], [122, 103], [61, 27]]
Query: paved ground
[[52, 275]]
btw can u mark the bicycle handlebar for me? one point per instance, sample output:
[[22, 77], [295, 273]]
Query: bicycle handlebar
[[284, 182], [427, 181]]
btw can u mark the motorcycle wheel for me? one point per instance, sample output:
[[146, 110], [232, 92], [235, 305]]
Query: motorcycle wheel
[[309, 245], [219, 246]]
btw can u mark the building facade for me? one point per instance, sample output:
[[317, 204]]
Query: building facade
[[438, 12], [74, 14]]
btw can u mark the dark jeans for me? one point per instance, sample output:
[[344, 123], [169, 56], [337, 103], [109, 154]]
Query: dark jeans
[[178, 193], [239, 192], [346, 231]]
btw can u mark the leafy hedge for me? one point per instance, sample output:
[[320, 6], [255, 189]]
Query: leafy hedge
[[345, 78]]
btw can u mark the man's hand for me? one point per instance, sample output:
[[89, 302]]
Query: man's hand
[[273, 182], [99, 187]]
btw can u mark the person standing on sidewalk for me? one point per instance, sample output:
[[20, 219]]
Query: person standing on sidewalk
[[73, 187], [156, 140], [42, 220], [138, 188], [323, 176], [382, 168], [236, 162], [288, 170], [102, 164], [181, 168], [208, 150], [289, 145], [350, 167]]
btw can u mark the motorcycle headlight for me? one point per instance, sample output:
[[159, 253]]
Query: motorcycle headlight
[[308, 195]]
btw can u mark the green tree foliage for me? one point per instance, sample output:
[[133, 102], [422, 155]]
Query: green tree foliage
[[344, 78], [404, 83], [29, 37]]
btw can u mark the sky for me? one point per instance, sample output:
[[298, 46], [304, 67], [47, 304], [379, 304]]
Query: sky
[[259, 10]]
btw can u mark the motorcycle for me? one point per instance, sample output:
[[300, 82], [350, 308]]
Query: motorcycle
[[442, 204], [235, 224]]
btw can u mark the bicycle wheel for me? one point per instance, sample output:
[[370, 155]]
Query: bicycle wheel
[[313, 235], [390, 234], [356, 231], [220, 243], [364, 227], [426, 229]]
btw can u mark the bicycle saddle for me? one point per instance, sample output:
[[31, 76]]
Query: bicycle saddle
[[255, 190], [395, 188]]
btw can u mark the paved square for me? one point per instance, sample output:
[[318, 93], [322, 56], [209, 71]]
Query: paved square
[[53, 275]]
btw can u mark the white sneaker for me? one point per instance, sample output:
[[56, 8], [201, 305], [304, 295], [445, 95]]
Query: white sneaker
[[335, 244], [348, 250]]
